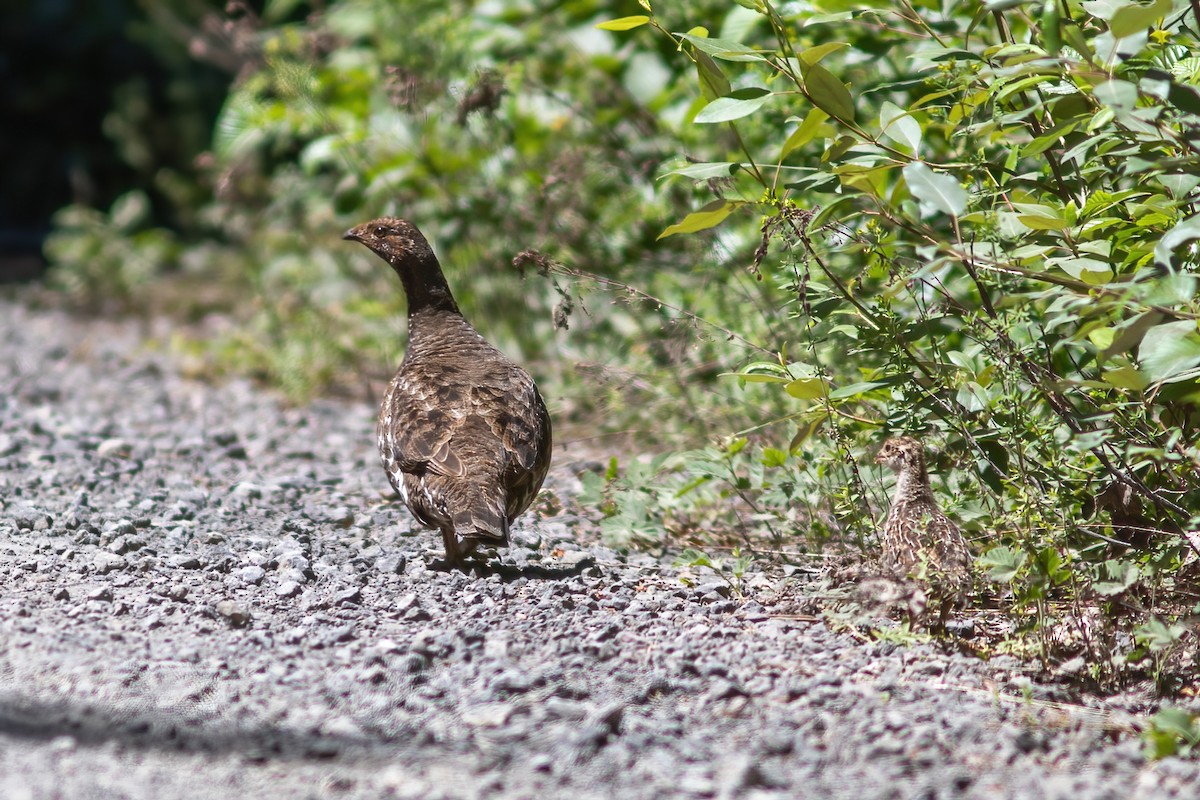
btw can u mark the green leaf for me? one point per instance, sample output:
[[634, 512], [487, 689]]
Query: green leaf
[[1172, 731], [239, 126], [724, 49], [130, 211], [1013, 86], [935, 191], [739, 21], [1050, 22], [713, 83], [1002, 563], [1179, 185], [692, 558], [702, 172], [1126, 377], [756, 377], [1117, 94], [1103, 9], [710, 216], [814, 54], [773, 457], [1157, 635], [692, 485], [937, 54], [1074, 37], [1037, 222], [1183, 232], [1102, 337], [806, 388], [1179, 722], [1170, 352], [739, 104], [1049, 563], [972, 397], [1110, 50], [1185, 98], [1050, 139], [1115, 577], [828, 93], [624, 23], [899, 126], [1088, 270], [1041, 218], [805, 133], [1134, 18]]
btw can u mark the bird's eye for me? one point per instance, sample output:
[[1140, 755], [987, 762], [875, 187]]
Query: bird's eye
[[380, 231]]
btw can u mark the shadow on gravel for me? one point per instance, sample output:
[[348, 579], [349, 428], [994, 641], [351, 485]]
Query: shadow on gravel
[[509, 573], [93, 726]]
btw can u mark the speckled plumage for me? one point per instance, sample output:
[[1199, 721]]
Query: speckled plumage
[[918, 538], [463, 433]]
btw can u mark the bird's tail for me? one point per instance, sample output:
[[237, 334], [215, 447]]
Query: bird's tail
[[482, 519]]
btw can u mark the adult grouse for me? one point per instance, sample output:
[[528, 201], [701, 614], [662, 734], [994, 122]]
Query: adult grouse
[[463, 433], [918, 538]]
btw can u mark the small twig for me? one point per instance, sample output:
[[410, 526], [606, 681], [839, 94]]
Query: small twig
[[554, 267]]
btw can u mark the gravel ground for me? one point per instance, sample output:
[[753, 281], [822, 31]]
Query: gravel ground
[[209, 596]]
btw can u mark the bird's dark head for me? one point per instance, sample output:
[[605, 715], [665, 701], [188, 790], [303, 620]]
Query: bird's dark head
[[394, 240], [900, 453], [398, 242]]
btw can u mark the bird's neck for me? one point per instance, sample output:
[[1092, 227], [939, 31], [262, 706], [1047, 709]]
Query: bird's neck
[[912, 483], [425, 286], [439, 333]]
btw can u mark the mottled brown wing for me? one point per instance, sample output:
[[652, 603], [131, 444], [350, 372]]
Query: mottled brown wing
[[948, 547], [420, 431], [901, 538], [528, 445], [414, 435]]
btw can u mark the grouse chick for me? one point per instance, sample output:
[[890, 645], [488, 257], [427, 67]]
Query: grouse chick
[[463, 433], [918, 538]]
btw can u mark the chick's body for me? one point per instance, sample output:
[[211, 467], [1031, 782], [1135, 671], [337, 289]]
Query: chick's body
[[918, 539]]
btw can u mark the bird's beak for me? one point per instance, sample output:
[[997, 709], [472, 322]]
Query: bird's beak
[[352, 235]]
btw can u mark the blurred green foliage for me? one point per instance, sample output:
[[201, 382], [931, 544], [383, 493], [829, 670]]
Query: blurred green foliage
[[499, 128], [102, 97], [778, 232]]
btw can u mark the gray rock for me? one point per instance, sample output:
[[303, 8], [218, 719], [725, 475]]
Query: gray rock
[[351, 596], [114, 448], [105, 563], [391, 564], [126, 544], [287, 589], [234, 613], [252, 575]]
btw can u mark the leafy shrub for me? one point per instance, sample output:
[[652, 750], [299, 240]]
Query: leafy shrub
[[1172, 732], [112, 255], [985, 223]]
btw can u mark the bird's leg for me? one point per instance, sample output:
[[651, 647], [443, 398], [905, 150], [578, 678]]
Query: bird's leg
[[944, 612], [467, 547], [454, 555], [918, 603]]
